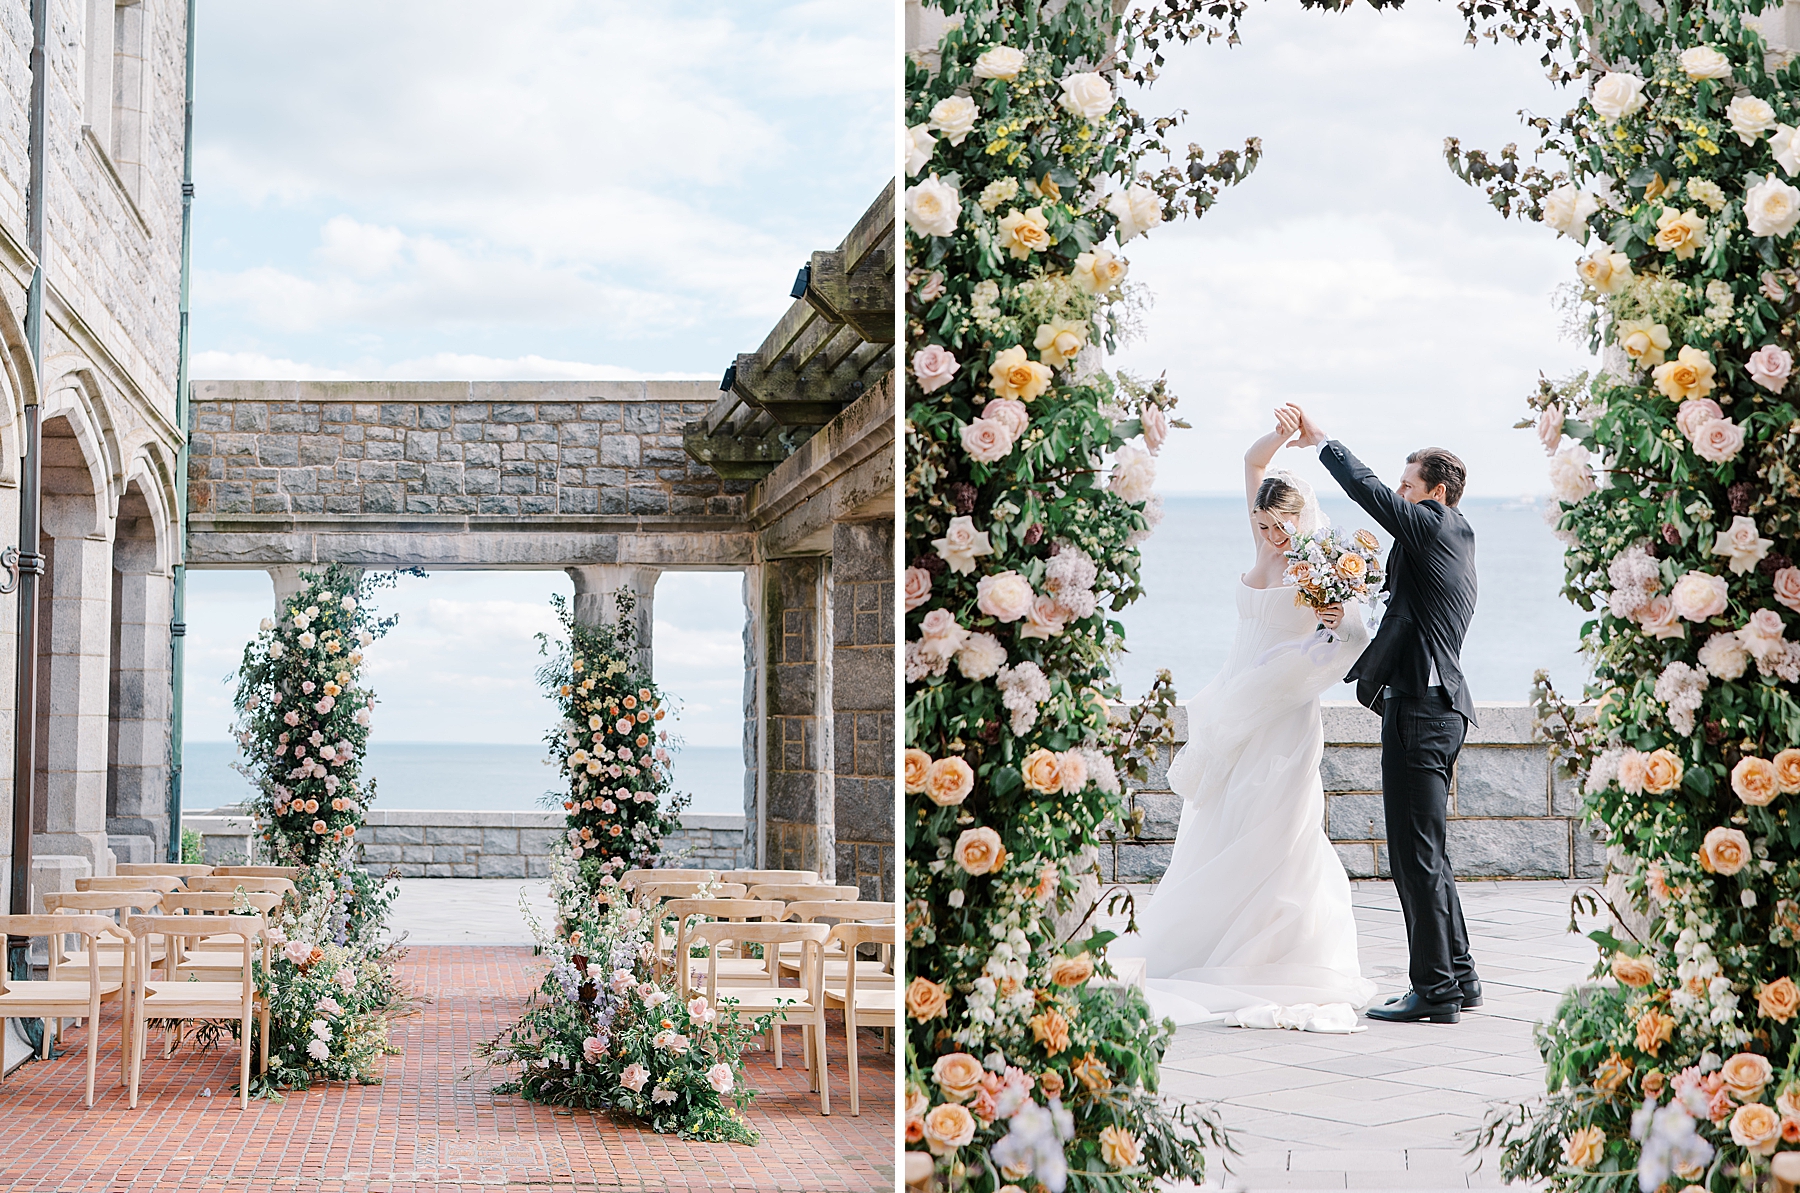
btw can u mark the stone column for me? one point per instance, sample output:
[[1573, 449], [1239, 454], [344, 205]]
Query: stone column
[[287, 581], [597, 585], [755, 718], [798, 806], [140, 697], [73, 674], [862, 692], [9, 661]]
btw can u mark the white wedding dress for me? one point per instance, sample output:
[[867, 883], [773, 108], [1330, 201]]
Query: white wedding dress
[[1251, 922]]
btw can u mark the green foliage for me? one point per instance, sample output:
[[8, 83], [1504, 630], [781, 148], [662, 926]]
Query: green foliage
[[190, 847]]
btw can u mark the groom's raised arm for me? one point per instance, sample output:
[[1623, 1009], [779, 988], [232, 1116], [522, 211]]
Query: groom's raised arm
[[1398, 516]]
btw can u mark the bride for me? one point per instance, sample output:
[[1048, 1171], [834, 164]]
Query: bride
[[1254, 908]]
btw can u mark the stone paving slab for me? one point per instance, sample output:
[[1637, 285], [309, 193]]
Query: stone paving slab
[[1387, 1108]]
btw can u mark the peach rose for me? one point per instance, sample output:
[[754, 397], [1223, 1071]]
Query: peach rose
[[1787, 587], [1724, 851], [1023, 233], [978, 851], [1352, 567], [1779, 999], [1753, 779], [1004, 596], [1699, 595], [1745, 1074], [1050, 1029], [1756, 1128], [1072, 971], [1679, 232], [1633, 971], [948, 1127], [1051, 1082], [958, 1074], [1584, 1148], [925, 999], [918, 762], [949, 782], [1643, 341], [1013, 376], [918, 588], [1662, 771], [1653, 1083], [1718, 440], [1042, 772], [1092, 1072], [1787, 771], [1120, 1148], [1653, 1031], [1788, 1102], [1689, 375]]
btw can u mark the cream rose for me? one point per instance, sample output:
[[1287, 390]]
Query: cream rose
[[1013, 376], [1724, 851], [934, 366], [1771, 207], [918, 763], [961, 544], [949, 781], [1679, 232], [1662, 771], [1097, 271], [1004, 596], [1718, 440], [1756, 1128], [1753, 781], [1741, 544], [920, 145], [933, 207], [948, 1127], [1087, 95], [1632, 971], [1606, 271], [1657, 618], [1137, 208], [1694, 413], [1014, 415], [1770, 366], [1784, 147], [1643, 341], [1567, 209], [1617, 95], [1042, 772], [1000, 62], [1699, 595], [1787, 771], [925, 999], [1584, 1148], [954, 116], [1058, 342], [1750, 118], [918, 588], [958, 1074], [1120, 1148], [1724, 656], [1023, 233], [986, 440], [1779, 1000], [1689, 375], [1704, 62], [1133, 475], [978, 851], [1570, 477]]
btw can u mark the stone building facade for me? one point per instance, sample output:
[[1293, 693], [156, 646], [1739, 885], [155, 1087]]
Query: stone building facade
[[106, 388]]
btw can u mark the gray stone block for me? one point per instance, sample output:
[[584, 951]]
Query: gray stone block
[[1349, 722], [448, 853], [1502, 782], [441, 870], [1351, 768], [415, 853], [380, 853], [409, 869], [1565, 792], [1162, 814], [500, 866], [455, 835], [1142, 863], [1590, 851], [537, 842], [1509, 848], [1355, 818], [1497, 723], [499, 840], [537, 866], [1358, 860], [402, 834]]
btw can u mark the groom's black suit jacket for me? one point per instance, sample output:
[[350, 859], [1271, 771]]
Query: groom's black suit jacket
[[1430, 585]]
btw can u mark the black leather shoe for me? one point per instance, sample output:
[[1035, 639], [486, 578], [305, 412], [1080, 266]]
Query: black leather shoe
[[1471, 994], [1410, 1008]]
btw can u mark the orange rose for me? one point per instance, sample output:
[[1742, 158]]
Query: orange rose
[[1653, 1031], [1788, 1102], [1753, 779], [1779, 999], [1584, 1148], [1043, 772], [925, 999], [1050, 1029], [978, 851], [1366, 540], [1352, 567], [1120, 1148], [1662, 772], [1092, 1072], [1653, 1083], [1745, 1074], [1633, 971], [1051, 1082], [1724, 851], [949, 781], [1787, 771], [1072, 971], [958, 1074], [1756, 1128], [948, 1127], [1612, 1074], [918, 762]]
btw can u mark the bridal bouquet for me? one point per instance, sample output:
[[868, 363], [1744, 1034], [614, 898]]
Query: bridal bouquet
[[1328, 567]]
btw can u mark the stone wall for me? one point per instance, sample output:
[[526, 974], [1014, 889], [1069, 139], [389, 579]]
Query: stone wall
[[798, 809], [862, 689], [1509, 816]]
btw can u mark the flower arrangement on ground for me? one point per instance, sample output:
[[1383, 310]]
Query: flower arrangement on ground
[[604, 1033], [1677, 480], [1025, 1068], [611, 748]]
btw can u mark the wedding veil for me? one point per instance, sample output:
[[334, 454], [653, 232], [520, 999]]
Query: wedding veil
[[1311, 516]]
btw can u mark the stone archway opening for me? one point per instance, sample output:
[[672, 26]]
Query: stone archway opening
[[138, 692]]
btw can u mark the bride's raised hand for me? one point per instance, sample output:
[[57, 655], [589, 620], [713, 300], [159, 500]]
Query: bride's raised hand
[[1287, 421]]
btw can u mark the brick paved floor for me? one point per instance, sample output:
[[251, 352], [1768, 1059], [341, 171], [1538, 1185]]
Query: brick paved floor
[[424, 1128], [1383, 1109]]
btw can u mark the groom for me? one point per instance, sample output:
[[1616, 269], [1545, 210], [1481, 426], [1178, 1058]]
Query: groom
[[1411, 676]]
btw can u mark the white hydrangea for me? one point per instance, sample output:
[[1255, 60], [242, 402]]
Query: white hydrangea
[[1679, 687], [1635, 577], [1022, 689], [1100, 769]]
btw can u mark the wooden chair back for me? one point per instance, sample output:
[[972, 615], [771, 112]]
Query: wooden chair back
[[140, 882], [172, 869], [719, 934], [291, 873], [766, 877], [728, 909], [231, 882], [89, 927], [654, 892], [217, 903], [842, 911], [630, 878], [789, 892]]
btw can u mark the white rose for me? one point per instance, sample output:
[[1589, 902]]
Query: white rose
[[1704, 62], [1771, 207], [1750, 118], [1617, 95], [1087, 95], [276, 650], [933, 207], [920, 145], [1782, 146], [266, 624], [961, 544], [1000, 62], [1137, 209], [1566, 210], [1724, 656], [954, 116], [1004, 596], [1133, 474], [1570, 477]]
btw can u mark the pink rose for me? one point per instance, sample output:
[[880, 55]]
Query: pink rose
[[1156, 427], [1009, 412], [1005, 596], [1658, 618], [939, 628], [1549, 429], [935, 366], [1698, 596], [1718, 440], [986, 440], [933, 289], [1762, 633], [592, 1050], [918, 588], [1045, 620], [1769, 367], [1787, 587], [1693, 412]]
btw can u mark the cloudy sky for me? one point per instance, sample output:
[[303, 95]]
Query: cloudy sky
[[553, 189], [1353, 272]]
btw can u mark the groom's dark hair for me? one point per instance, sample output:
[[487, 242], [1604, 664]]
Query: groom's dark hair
[[1439, 467]]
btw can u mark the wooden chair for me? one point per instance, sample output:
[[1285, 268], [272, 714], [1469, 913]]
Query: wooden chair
[[169, 869], [232, 882], [210, 958], [873, 1004], [291, 873], [764, 877], [631, 878], [648, 894], [790, 892], [65, 998], [843, 912], [176, 1000], [735, 971], [142, 882], [802, 1006], [117, 906]]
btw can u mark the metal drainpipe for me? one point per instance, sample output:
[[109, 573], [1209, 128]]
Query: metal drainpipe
[[178, 615]]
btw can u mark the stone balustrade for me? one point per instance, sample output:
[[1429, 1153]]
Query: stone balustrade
[[1510, 817]]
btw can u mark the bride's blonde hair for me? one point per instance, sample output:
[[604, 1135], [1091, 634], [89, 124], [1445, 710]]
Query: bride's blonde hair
[[1280, 498]]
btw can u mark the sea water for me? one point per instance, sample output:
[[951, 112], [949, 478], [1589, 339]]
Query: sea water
[[1190, 575], [466, 777]]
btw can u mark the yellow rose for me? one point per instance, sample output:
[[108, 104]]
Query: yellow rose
[[1745, 1074], [1787, 771], [1633, 971], [1753, 779], [1050, 1029], [1072, 971], [949, 782], [1584, 1148], [1092, 1072], [1043, 772], [978, 851], [918, 763], [1097, 270], [1015, 377], [1605, 271], [948, 1127], [1724, 851], [1678, 232], [1643, 341], [1689, 375], [1023, 233], [1662, 771], [1366, 540], [958, 1074], [1779, 999], [926, 999], [1756, 1128], [1119, 1147], [1057, 343]]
